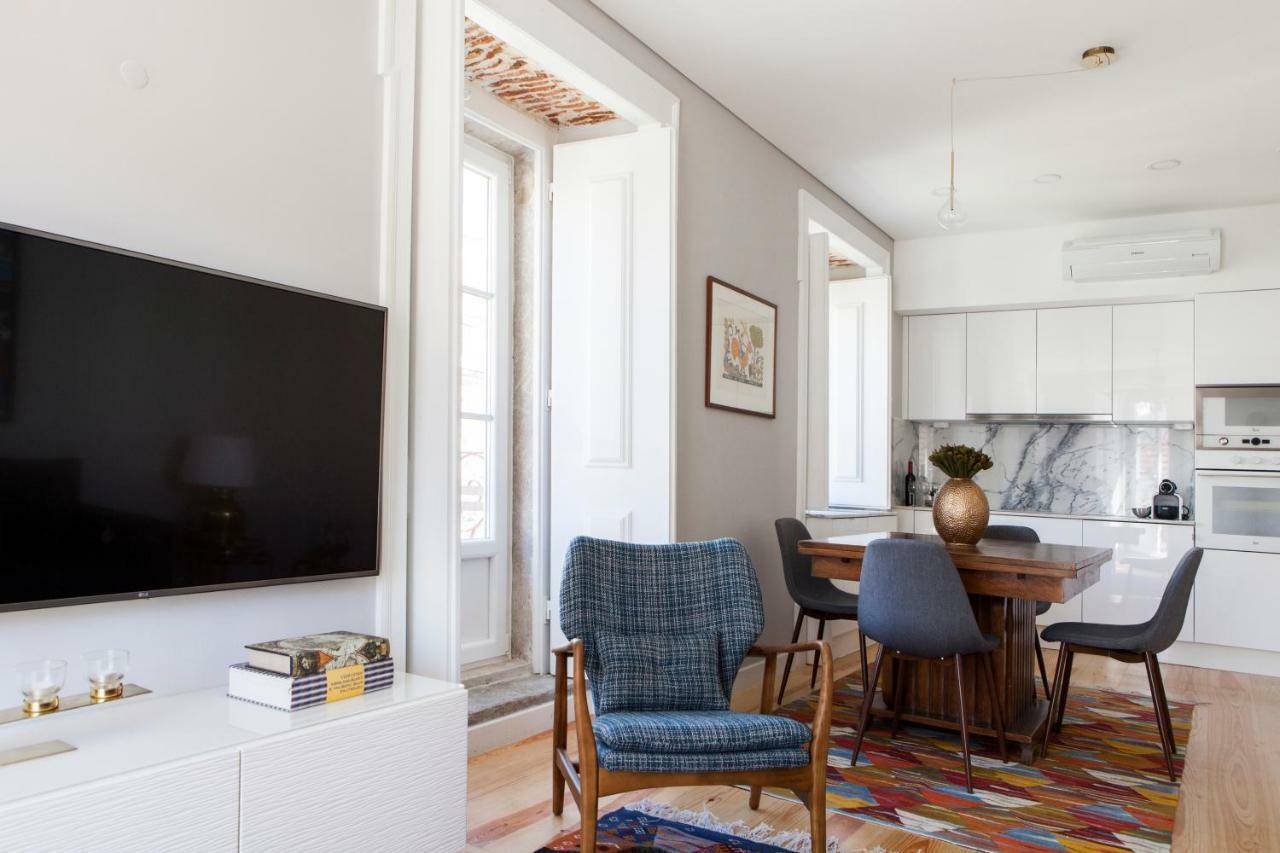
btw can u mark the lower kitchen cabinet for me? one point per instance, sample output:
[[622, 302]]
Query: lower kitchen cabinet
[[1236, 594], [1133, 581]]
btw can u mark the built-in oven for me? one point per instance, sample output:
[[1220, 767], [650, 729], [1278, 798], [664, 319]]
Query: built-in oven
[[1238, 416], [1238, 500]]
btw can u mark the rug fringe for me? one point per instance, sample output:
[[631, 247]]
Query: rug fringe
[[761, 833]]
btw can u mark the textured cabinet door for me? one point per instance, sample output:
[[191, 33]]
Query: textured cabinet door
[[1001, 363], [1073, 361], [1236, 340], [935, 367], [389, 780], [1236, 595], [1133, 581], [1055, 531], [186, 805], [1152, 377]]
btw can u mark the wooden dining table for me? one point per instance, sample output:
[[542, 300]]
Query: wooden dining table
[[1004, 580]]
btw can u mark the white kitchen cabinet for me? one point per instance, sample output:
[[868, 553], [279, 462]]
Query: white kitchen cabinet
[[1153, 377], [924, 522], [906, 520], [1134, 580], [1001, 363], [1073, 361], [1236, 594], [1055, 531], [936, 367], [1236, 340]]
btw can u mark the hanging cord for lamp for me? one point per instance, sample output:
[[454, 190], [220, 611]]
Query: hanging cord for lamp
[[955, 81]]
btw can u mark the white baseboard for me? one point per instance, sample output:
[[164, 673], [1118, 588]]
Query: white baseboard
[[1231, 659]]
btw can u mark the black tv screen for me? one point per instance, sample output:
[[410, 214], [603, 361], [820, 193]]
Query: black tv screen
[[166, 429]]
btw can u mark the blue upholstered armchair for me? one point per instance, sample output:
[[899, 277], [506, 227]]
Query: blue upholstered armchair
[[660, 632]]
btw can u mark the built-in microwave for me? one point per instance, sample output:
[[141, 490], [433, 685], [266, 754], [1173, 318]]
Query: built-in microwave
[[1238, 416]]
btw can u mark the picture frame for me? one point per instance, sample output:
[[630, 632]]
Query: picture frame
[[742, 351]]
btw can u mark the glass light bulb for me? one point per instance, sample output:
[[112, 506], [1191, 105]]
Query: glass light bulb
[[951, 215]]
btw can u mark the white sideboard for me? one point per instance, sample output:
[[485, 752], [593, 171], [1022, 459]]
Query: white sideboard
[[201, 772]]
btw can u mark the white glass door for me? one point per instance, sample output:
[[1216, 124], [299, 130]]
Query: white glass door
[[484, 388], [1238, 511]]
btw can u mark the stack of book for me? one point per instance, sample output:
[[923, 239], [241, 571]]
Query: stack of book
[[311, 670]]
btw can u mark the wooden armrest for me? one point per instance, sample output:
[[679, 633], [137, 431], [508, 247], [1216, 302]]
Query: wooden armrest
[[772, 651], [564, 651]]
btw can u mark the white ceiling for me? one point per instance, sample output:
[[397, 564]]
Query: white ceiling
[[856, 92]]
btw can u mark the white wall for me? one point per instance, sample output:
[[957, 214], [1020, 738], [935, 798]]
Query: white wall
[[256, 148], [1023, 267], [737, 220]]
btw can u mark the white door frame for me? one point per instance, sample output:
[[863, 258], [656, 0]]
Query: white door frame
[[543, 30], [816, 217]]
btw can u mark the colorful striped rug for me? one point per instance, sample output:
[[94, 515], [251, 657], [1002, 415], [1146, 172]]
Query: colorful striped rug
[[1103, 786]]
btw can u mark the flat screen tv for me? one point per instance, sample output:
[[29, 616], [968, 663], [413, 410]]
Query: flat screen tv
[[166, 429]]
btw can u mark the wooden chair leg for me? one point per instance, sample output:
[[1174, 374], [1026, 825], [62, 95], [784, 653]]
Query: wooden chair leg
[[1044, 673], [754, 802], [590, 809], [559, 733], [786, 669], [1059, 694], [813, 675], [868, 697], [1164, 705], [899, 689], [1066, 687], [984, 663], [818, 818], [862, 656], [1166, 730], [958, 663]]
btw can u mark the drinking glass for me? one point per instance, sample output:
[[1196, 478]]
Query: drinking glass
[[40, 682], [106, 669]]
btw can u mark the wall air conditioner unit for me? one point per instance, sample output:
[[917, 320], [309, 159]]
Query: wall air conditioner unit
[[1144, 256]]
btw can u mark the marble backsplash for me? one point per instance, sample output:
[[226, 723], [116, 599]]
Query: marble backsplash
[[1079, 469]]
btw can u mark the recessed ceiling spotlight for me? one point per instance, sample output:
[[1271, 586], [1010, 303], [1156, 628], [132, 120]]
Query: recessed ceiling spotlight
[[941, 192], [1098, 57], [1048, 178], [1164, 165]]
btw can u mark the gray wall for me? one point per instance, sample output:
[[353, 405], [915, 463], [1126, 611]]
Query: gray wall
[[738, 214]]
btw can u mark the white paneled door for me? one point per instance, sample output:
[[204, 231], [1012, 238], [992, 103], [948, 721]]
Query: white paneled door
[[611, 344], [858, 392]]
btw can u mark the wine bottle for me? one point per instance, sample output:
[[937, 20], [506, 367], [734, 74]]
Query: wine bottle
[[910, 490]]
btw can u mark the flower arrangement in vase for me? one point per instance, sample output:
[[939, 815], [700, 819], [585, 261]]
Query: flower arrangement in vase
[[960, 509]]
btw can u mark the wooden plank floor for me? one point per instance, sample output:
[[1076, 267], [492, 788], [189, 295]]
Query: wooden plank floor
[[1230, 790]]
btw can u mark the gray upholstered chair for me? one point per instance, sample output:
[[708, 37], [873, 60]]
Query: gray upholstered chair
[[1020, 533], [817, 598], [912, 602], [1131, 644], [653, 627]]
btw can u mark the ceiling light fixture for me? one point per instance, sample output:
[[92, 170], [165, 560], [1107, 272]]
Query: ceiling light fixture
[[1048, 178], [951, 215], [1164, 165]]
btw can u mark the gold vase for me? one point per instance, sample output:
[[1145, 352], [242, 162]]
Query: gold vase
[[961, 511]]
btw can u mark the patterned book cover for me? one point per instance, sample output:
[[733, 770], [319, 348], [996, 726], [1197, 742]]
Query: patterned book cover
[[301, 656], [292, 694]]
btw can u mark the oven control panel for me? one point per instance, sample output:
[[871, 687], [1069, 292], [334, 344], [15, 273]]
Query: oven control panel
[[1244, 442], [1238, 459]]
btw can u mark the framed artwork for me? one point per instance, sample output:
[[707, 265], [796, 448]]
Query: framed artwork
[[742, 350]]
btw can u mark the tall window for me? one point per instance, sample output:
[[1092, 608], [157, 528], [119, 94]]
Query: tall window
[[476, 348]]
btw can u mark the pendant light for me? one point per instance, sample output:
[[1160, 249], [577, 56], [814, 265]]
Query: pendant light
[[952, 215]]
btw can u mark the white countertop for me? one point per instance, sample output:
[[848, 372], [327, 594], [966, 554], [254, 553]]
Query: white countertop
[[144, 731], [848, 513], [1132, 519]]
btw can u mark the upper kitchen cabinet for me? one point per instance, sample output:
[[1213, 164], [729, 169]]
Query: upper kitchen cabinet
[[1001, 363], [935, 367], [1236, 340], [1073, 361], [1154, 367]]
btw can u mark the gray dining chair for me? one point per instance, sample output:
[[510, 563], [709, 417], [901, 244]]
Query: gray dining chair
[[1021, 533], [913, 603], [1129, 643], [817, 598]]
